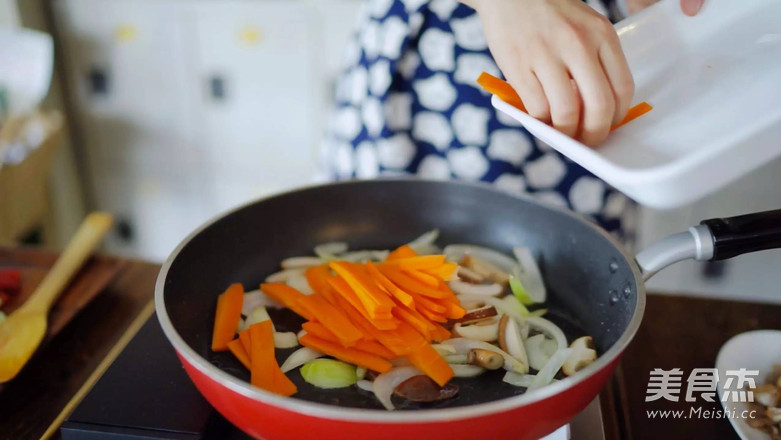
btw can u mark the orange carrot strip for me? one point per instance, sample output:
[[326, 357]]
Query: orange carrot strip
[[431, 316], [403, 251], [427, 360], [421, 324], [444, 272], [237, 348], [244, 337], [350, 355], [385, 324], [357, 318], [284, 386], [413, 263], [409, 284], [320, 331], [376, 348], [439, 333], [423, 277], [286, 295], [506, 93], [332, 318], [374, 300], [317, 277], [430, 305], [634, 113], [227, 316], [455, 311], [262, 355], [403, 297]]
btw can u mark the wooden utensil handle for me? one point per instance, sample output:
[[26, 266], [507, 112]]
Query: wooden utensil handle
[[87, 238]]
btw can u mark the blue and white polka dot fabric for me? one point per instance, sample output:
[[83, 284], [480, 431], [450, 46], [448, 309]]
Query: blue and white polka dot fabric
[[408, 103]]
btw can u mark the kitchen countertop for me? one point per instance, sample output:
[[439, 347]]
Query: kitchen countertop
[[677, 331]]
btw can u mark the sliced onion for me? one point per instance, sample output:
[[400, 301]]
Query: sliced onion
[[365, 385], [285, 340], [549, 328], [364, 256], [546, 375], [258, 314], [455, 252], [329, 251], [518, 380], [512, 302], [425, 241], [284, 275], [537, 357], [384, 384], [538, 312], [300, 333], [549, 347], [464, 288], [300, 262], [457, 358], [427, 249], [299, 357], [466, 370], [360, 373], [255, 299], [300, 283], [500, 305], [444, 349], [486, 333], [463, 346], [529, 274]]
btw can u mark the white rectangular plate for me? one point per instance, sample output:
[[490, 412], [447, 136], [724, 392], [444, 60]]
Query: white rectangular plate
[[714, 81]]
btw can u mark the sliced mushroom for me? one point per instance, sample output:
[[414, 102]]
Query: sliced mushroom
[[583, 354], [511, 340], [767, 395], [490, 360], [469, 275], [423, 389], [486, 330], [477, 315], [485, 268], [464, 288]]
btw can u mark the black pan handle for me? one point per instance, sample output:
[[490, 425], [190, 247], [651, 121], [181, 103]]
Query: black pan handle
[[734, 236], [714, 239]]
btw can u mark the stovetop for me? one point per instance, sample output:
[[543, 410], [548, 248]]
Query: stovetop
[[145, 394]]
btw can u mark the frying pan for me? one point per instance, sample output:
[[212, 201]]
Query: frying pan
[[595, 288]]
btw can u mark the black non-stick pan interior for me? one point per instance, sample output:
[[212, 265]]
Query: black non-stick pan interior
[[592, 289]]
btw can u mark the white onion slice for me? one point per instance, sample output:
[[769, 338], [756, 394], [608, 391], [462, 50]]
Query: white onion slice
[[285, 340], [549, 347], [548, 328], [425, 242], [255, 299], [300, 283], [443, 349], [385, 383], [300, 333], [529, 275], [455, 252], [365, 385], [463, 346], [537, 357], [518, 380], [464, 288], [364, 256], [299, 357], [284, 275], [329, 251], [466, 370], [546, 375], [486, 333], [300, 262]]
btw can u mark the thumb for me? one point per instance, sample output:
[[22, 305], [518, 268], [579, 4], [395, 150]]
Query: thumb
[[691, 7]]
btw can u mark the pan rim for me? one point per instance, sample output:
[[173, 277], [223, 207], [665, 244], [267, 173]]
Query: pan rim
[[325, 411]]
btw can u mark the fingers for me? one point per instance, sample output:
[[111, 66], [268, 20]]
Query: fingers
[[562, 99], [617, 71], [599, 103], [691, 7], [532, 95]]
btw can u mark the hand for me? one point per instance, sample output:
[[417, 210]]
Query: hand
[[564, 60], [689, 7]]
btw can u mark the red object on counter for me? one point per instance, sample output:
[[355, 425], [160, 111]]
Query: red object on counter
[[10, 284]]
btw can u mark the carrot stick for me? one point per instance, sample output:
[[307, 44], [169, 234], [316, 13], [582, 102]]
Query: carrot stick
[[423, 277], [317, 277], [430, 305], [404, 297], [358, 319], [413, 263], [332, 318], [262, 355], [350, 355], [244, 337], [431, 316], [374, 300], [237, 348], [444, 272], [286, 295], [227, 316], [409, 284], [403, 251], [413, 318], [345, 292], [427, 360], [506, 93], [284, 386], [319, 330], [439, 333]]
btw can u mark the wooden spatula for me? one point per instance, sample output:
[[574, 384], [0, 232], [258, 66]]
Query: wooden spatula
[[24, 329]]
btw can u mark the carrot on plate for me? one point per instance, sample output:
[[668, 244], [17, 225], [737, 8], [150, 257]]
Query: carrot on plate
[[237, 348], [227, 316], [350, 355]]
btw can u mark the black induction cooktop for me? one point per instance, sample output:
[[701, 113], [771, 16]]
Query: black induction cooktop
[[146, 394]]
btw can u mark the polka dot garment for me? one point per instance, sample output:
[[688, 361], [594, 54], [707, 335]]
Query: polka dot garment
[[408, 103]]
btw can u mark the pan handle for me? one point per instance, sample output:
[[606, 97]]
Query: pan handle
[[714, 239]]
